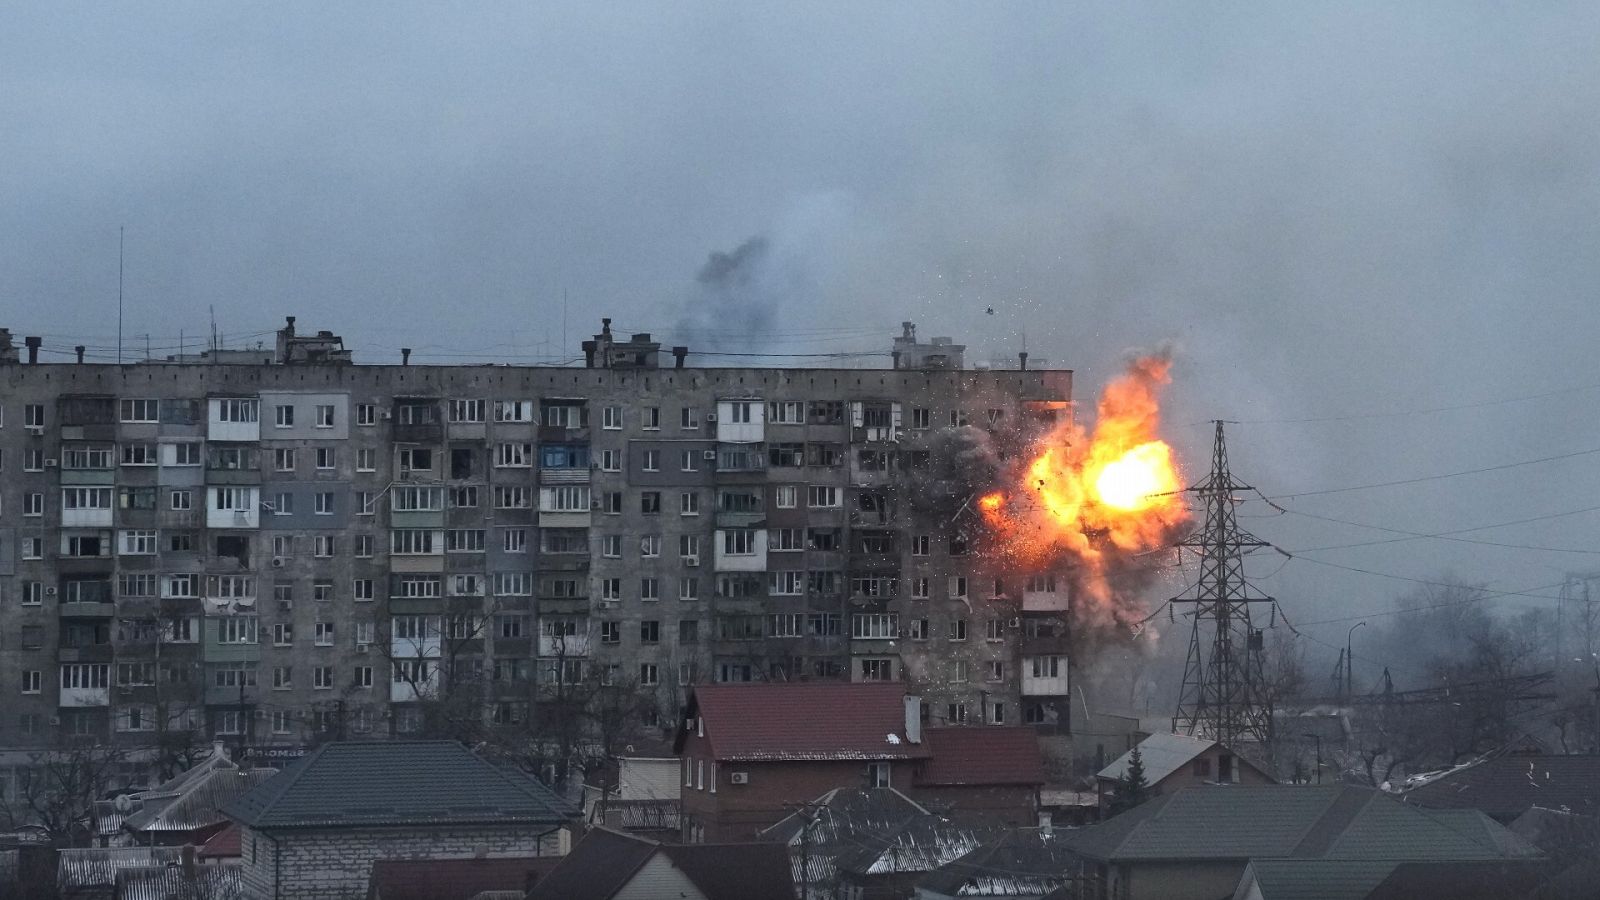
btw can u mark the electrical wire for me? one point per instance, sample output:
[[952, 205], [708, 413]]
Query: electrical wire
[[1441, 535], [1404, 481]]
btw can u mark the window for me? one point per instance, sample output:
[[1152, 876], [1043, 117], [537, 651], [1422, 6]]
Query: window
[[465, 497], [958, 418], [325, 458], [366, 460], [323, 503], [994, 630], [650, 632], [363, 546], [686, 461], [282, 678], [322, 545], [785, 496], [416, 459], [610, 632], [1045, 666], [649, 675], [139, 410], [514, 540], [33, 548], [32, 681], [411, 542], [611, 503], [511, 626], [139, 454], [650, 546], [958, 586], [877, 670], [650, 503], [236, 630], [921, 544], [688, 588], [283, 459], [786, 412], [239, 410], [464, 540], [688, 417], [284, 417], [513, 411], [650, 418], [919, 588], [85, 498], [136, 543], [786, 625], [878, 775], [996, 670], [651, 461], [282, 505], [611, 460], [513, 497], [739, 542], [325, 416], [363, 676], [33, 503], [920, 417], [366, 414], [958, 629], [786, 583], [466, 411], [821, 496], [513, 584], [919, 629], [874, 626], [786, 539], [611, 589], [997, 714], [361, 589], [689, 503], [33, 415], [513, 456], [611, 417], [649, 589]]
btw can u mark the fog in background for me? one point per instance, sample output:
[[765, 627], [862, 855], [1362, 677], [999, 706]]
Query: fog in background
[[1342, 217]]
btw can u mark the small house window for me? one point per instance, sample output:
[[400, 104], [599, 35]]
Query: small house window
[[1202, 768], [878, 775]]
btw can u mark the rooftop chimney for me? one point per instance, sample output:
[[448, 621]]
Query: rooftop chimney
[[33, 348], [290, 327], [1022, 359], [605, 327], [913, 719], [678, 355], [80, 349], [405, 356], [588, 354], [896, 355]]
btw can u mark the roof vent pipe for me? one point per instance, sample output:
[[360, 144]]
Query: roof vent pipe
[[80, 349], [678, 355], [405, 356], [33, 348], [588, 354], [1023, 360]]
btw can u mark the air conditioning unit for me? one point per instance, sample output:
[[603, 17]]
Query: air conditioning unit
[[691, 560], [386, 414], [1016, 623], [711, 418], [363, 648], [51, 463], [277, 562], [285, 605], [261, 713], [594, 503], [35, 429], [50, 590], [738, 777], [709, 454], [55, 721]]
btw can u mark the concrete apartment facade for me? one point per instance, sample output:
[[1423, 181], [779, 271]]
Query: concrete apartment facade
[[279, 552]]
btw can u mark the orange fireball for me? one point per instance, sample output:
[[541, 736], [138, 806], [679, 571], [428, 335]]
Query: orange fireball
[[1117, 486]]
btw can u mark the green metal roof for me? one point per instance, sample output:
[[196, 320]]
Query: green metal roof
[[372, 783]]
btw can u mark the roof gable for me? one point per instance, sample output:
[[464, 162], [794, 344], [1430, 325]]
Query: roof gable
[[1162, 754], [767, 722], [350, 783]]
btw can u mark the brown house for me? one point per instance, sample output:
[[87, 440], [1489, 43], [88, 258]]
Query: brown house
[[751, 753], [982, 770], [1176, 761]]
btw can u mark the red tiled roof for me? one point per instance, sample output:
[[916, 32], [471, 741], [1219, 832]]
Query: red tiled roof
[[455, 879], [805, 721], [224, 843], [982, 754]]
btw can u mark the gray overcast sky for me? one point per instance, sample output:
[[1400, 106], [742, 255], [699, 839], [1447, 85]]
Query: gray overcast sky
[[1335, 211]]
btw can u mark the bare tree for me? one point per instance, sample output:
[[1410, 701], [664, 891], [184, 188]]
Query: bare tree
[[56, 791]]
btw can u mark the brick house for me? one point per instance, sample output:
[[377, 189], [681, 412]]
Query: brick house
[[984, 770], [751, 752], [1176, 761], [315, 830]]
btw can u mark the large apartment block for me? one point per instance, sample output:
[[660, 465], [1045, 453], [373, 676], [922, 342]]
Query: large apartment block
[[282, 546]]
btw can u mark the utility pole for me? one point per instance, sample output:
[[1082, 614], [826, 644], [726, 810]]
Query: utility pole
[[1224, 695], [1350, 661], [1318, 739]]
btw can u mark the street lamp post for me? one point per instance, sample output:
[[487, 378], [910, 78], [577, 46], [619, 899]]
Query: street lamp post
[[1350, 662]]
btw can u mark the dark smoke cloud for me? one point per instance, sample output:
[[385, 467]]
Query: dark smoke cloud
[[733, 304], [963, 463]]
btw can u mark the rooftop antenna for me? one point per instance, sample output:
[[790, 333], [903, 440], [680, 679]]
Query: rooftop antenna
[[120, 229], [563, 348], [213, 308]]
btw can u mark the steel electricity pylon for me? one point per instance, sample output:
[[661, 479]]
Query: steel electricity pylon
[[1224, 694]]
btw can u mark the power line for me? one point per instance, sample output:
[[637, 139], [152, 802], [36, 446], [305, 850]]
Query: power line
[[1403, 481], [1398, 414], [1442, 535]]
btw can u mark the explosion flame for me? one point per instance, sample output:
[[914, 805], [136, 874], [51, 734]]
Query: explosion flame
[[1096, 496]]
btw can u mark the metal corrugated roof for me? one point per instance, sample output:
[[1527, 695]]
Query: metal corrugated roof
[[199, 803], [345, 783], [1317, 879], [88, 867], [1162, 754], [168, 882], [982, 755], [1021, 862]]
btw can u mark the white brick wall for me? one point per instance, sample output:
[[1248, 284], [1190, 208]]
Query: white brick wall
[[335, 864]]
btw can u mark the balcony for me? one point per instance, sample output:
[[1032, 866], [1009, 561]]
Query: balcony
[[82, 698], [563, 475], [90, 609]]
